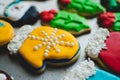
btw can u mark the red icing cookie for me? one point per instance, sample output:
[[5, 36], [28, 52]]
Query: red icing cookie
[[111, 56], [103, 47]]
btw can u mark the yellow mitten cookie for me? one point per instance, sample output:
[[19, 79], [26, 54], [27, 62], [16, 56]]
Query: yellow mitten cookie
[[6, 32], [45, 44]]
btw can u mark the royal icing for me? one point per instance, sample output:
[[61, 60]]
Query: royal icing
[[96, 43], [85, 6], [6, 32], [111, 56], [81, 72], [69, 21], [116, 26], [45, 43], [103, 75], [112, 5], [110, 20], [3, 76], [13, 9], [106, 19], [18, 39], [64, 20]]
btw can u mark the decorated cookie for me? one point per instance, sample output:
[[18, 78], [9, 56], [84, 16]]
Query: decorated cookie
[[111, 5], [86, 71], [71, 22], [110, 20], [4, 76], [6, 32], [18, 12], [44, 44], [103, 47], [86, 8]]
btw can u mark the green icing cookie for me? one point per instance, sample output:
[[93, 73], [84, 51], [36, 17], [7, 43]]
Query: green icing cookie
[[116, 25], [68, 21], [113, 4], [85, 6]]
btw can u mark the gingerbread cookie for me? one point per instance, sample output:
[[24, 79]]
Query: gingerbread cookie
[[18, 13], [86, 8], [103, 47], [5, 76], [110, 20], [86, 71], [70, 22], [111, 5], [43, 45], [6, 32]]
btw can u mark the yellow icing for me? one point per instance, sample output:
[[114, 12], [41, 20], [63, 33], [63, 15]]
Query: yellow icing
[[36, 57], [6, 33]]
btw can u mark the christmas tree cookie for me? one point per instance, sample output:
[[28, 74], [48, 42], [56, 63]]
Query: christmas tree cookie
[[70, 22], [86, 8]]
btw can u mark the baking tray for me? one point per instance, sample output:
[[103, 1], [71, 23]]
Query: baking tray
[[12, 66]]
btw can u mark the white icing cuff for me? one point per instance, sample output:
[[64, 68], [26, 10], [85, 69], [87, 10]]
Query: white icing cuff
[[18, 39], [82, 71], [96, 42]]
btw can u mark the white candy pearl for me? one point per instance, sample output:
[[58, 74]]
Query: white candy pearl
[[29, 36], [46, 51], [56, 42], [51, 40], [67, 43], [63, 35], [59, 36], [45, 54], [61, 42], [55, 29], [39, 45], [45, 40], [43, 32], [48, 47], [48, 43], [44, 43], [55, 38], [52, 36], [36, 48], [47, 37], [53, 44], [41, 39], [72, 44], [33, 37], [57, 50]]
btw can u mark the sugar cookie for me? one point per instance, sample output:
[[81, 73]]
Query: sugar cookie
[[43, 45], [70, 22]]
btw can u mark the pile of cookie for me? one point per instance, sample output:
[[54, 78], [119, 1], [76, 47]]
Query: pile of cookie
[[54, 43]]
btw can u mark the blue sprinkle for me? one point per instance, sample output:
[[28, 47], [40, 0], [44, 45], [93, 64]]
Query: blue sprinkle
[[1, 24]]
